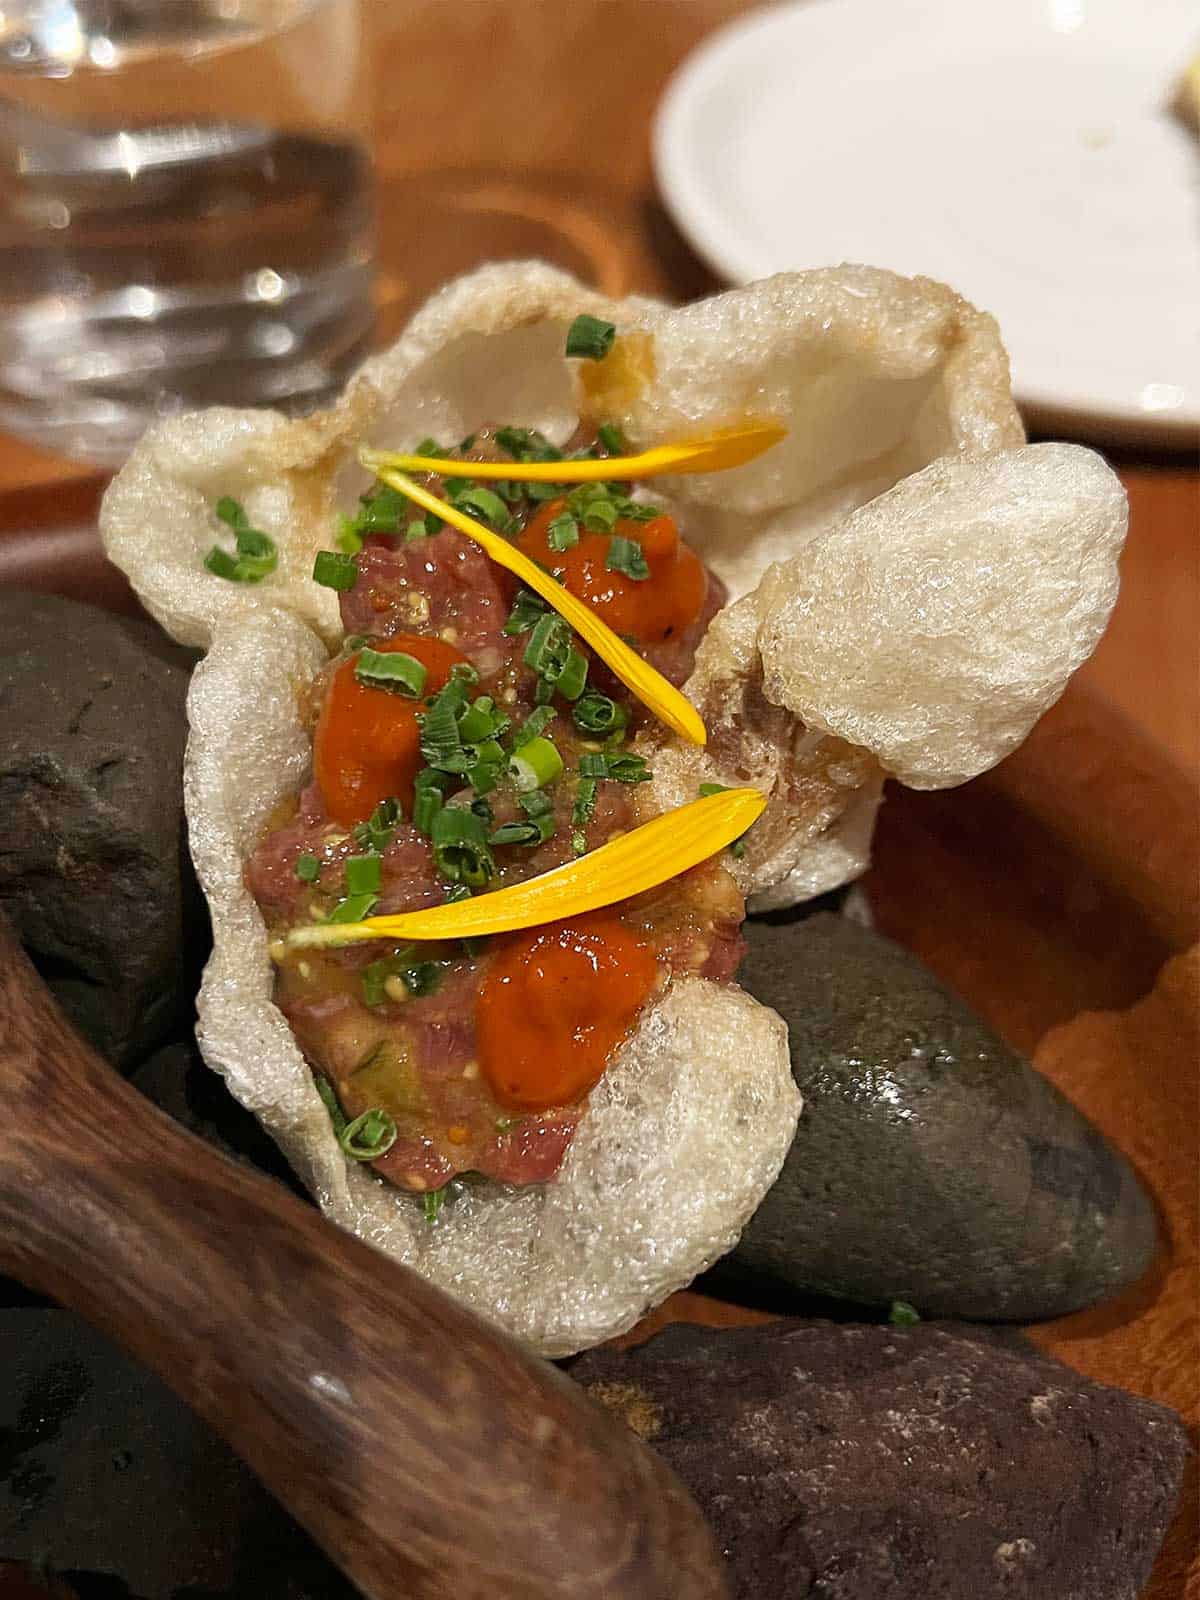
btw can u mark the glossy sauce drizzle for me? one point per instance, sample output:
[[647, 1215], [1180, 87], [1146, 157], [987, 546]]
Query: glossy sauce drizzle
[[556, 1002]]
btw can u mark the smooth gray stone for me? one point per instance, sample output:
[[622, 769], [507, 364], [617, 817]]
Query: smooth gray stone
[[932, 1164], [94, 872]]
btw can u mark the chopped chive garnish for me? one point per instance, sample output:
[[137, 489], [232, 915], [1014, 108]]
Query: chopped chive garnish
[[612, 439], [487, 504], [433, 523], [430, 789], [364, 874], [256, 553], [590, 337], [579, 842], [570, 681], [628, 769], [626, 555], [535, 764], [348, 539], [415, 529], [376, 832], [433, 1201], [902, 1315], [596, 713], [221, 564], [465, 673], [334, 571], [480, 720], [330, 1100], [423, 977], [308, 868], [391, 670], [585, 802], [539, 810], [619, 767], [519, 833], [535, 724], [368, 1137], [441, 742], [430, 447], [460, 848], [543, 692], [353, 908], [563, 532], [527, 444], [527, 609], [548, 648], [601, 516]]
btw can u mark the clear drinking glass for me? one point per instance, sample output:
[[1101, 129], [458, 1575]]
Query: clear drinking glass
[[185, 211]]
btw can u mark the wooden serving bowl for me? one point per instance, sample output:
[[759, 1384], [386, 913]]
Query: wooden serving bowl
[[1060, 894]]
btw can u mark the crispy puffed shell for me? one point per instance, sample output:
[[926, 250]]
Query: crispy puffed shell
[[935, 625], [920, 637], [875, 376], [684, 1135]]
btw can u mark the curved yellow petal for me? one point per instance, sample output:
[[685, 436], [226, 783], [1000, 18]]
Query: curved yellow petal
[[713, 452], [638, 676], [638, 860]]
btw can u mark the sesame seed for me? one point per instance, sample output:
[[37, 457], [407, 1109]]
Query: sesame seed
[[471, 1070], [277, 951], [396, 989]]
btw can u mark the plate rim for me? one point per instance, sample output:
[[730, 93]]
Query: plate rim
[[685, 198]]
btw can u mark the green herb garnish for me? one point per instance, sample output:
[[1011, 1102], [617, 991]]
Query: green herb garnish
[[256, 553], [308, 868], [590, 337], [527, 610], [353, 908], [626, 556], [391, 670], [596, 713], [486, 504], [902, 1315], [460, 847], [377, 831], [535, 764], [364, 874], [563, 532], [368, 1137], [330, 1100], [334, 571]]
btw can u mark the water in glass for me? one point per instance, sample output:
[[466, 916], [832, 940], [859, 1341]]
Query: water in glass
[[185, 211]]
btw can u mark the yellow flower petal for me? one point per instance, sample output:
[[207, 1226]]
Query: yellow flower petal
[[713, 452], [639, 860], [638, 676]]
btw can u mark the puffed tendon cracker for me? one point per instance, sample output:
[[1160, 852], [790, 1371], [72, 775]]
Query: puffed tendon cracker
[[875, 374], [683, 1136], [935, 625]]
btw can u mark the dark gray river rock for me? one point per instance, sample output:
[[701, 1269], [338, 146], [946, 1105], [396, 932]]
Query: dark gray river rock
[[94, 871], [935, 1462], [932, 1164]]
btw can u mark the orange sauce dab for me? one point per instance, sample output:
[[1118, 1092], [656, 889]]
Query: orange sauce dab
[[650, 609], [556, 1002], [368, 745]]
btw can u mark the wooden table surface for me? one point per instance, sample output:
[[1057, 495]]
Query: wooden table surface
[[511, 128]]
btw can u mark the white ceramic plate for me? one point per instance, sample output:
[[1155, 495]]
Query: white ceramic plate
[[1021, 150]]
